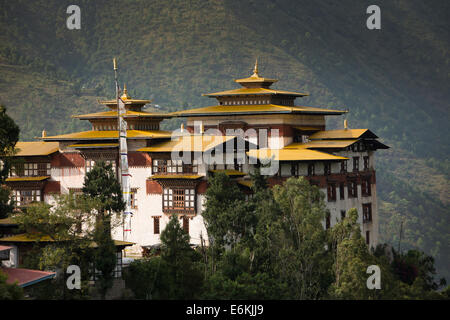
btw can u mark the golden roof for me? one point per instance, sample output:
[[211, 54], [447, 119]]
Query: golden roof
[[254, 109], [117, 243], [254, 91], [35, 237], [94, 145], [14, 179], [342, 134], [128, 114], [189, 143], [126, 99], [319, 144], [113, 134], [292, 155], [246, 183], [7, 222], [36, 148], [176, 176], [255, 78], [230, 172], [27, 237], [304, 128], [125, 95]]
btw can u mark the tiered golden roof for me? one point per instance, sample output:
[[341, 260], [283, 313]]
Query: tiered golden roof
[[36, 148], [255, 79], [343, 134], [254, 91], [293, 155], [229, 172], [254, 109], [128, 101], [175, 176], [255, 85], [108, 135], [322, 144], [21, 179], [189, 143], [113, 114]]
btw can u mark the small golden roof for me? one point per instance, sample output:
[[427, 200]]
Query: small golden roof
[[36, 148], [255, 69], [125, 95], [255, 80]]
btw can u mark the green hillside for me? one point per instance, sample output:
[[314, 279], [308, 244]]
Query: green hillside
[[394, 81]]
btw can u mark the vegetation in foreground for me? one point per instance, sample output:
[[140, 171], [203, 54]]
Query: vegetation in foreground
[[274, 246]]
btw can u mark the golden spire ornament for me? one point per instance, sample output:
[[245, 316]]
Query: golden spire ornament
[[255, 69]]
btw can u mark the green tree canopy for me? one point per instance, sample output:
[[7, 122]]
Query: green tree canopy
[[9, 135]]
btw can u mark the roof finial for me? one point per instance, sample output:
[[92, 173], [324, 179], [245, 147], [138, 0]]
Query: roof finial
[[44, 133], [125, 93], [345, 124], [255, 69]]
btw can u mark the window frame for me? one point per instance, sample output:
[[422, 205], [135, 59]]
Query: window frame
[[352, 187], [355, 164], [179, 199], [331, 192], [367, 212], [156, 224]]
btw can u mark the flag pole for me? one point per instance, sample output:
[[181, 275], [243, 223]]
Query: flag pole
[[123, 158]]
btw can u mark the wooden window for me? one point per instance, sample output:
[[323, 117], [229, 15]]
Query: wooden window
[[294, 169], [263, 138], [331, 192], [367, 212], [178, 199], [311, 169], [343, 166], [156, 225], [352, 189], [366, 163], [327, 169], [186, 224], [174, 167], [342, 191], [355, 164], [195, 166], [17, 170], [366, 187], [113, 164], [24, 197], [29, 169], [133, 197], [89, 165], [118, 267]]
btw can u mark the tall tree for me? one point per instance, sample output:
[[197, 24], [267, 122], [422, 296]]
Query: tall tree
[[300, 239], [101, 184], [228, 218], [9, 135], [181, 261], [175, 274], [351, 259], [61, 223]]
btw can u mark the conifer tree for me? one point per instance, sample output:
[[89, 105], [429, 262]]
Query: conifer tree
[[9, 135]]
